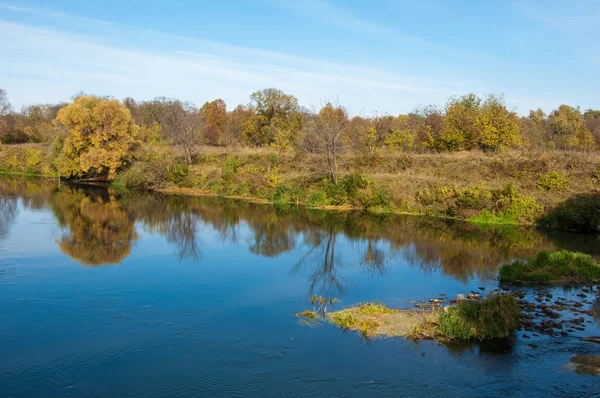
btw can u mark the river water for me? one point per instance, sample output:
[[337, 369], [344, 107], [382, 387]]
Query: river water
[[158, 296]]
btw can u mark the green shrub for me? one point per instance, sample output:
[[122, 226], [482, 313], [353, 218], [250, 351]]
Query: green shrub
[[596, 175], [495, 317], [177, 172], [230, 169], [580, 213], [273, 159], [552, 181], [282, 195], [352, 183], [551, 267], [317, 199], [142, 175]]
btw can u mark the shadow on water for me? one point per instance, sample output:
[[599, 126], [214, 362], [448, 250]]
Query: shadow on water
[[99, 227]]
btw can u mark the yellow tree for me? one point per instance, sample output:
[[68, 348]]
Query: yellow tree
[[461, 131], [276, 118], [99, 140], [400, 138], [498, 127], [569, 129]]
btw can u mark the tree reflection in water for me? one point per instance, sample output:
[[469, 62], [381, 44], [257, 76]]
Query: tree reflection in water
[[99, 228], [324, 280]]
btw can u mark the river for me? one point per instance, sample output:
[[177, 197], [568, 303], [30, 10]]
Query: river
[[158, 296]]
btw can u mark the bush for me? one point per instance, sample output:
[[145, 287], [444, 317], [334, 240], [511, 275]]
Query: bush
[[596, 175], [495, 317], [317, 199], [153, 168], [580, 213], [177, 172], [230, 169], [552, 181], [551, 267], [481, 205]]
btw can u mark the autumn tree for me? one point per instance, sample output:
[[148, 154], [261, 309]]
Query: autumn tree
[[276, 120], [569, 130], [461, 131], [536, 130], [592, 123], [379, 128], [427, 125], [400, 138], [100, 136], [236, 124], [498, 127], [214, 121], [357, 129]]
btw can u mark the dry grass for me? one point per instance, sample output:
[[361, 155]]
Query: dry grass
[[374, 319]]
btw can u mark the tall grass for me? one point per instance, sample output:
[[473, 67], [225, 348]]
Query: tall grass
[[551, 267], [495, 317]]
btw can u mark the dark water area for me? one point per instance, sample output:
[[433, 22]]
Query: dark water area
[[158, 296]]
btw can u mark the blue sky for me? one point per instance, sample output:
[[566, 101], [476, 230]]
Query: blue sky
[[380, 55]]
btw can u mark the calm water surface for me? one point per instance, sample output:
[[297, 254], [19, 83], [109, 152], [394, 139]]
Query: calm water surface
[[146, 295]]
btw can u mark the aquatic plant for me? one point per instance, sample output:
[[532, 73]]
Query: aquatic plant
[[308, 314], [322, 300]]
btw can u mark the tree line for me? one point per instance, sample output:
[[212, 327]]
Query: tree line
[[95, 135]]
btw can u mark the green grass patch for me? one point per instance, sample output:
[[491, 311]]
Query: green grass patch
[[374, 308], [497, 316], [551, 267]]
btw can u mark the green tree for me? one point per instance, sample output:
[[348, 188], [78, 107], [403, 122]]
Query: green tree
[[100, 136], [276, 117]]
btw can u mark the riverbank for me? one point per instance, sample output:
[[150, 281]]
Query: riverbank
[[522, 188]]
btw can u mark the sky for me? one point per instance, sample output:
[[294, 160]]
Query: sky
[[377, 56]]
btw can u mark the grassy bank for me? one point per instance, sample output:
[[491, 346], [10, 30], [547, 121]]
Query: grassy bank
[[554, 189], [555, 267]]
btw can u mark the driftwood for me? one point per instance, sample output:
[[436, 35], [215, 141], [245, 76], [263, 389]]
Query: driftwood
[[591, 339]]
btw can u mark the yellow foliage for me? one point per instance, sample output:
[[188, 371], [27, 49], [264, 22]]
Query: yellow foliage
[[101, 136]]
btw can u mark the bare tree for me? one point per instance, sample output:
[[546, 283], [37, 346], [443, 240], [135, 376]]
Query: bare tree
[[181, 125], [5, 107], [325, 134]]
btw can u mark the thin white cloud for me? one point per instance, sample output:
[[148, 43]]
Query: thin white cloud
[[333, 14], [43, 64], [45, 56]]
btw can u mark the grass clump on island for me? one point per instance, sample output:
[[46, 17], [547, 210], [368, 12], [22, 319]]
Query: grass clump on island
[[561, 266], [496, 316]]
